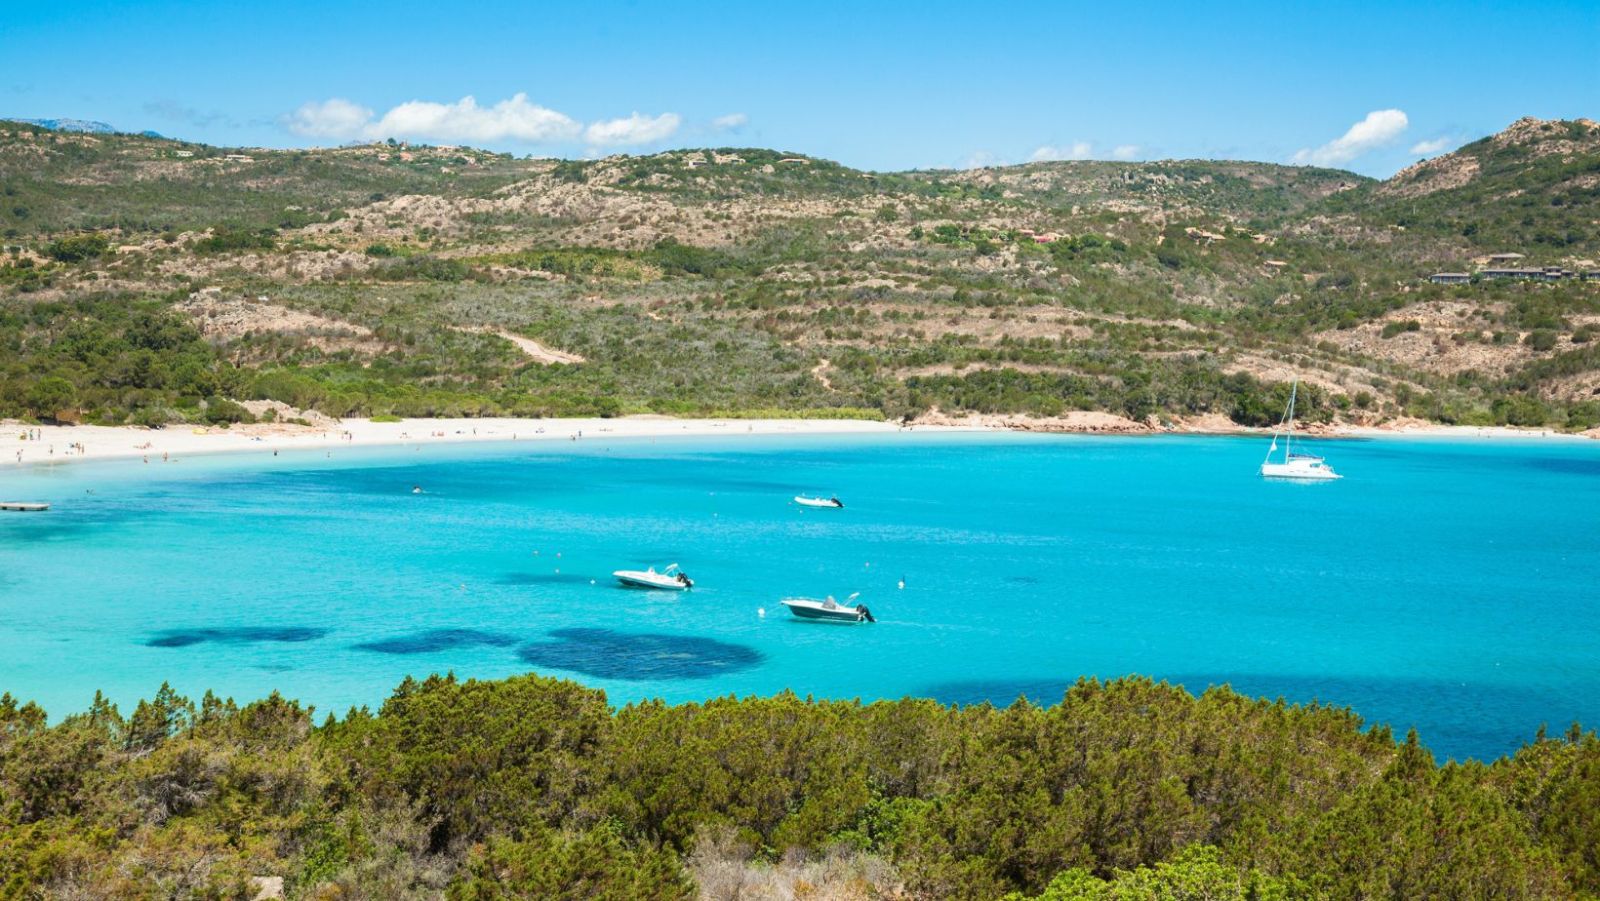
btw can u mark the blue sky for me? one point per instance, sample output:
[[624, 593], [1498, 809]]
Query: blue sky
[[1370, 87]]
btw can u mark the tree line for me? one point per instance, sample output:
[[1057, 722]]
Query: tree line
[[536, 787]]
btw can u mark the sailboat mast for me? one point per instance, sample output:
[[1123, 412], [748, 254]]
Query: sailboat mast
[[1288, 439]]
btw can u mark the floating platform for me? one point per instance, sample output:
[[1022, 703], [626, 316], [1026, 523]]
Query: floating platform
[[23, 506]]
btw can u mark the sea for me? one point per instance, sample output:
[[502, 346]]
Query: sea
[[1452, 586]]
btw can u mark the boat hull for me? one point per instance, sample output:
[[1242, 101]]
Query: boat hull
[[23, 506], [641, 580], [815, 612], [818, 502], [1298, 473]]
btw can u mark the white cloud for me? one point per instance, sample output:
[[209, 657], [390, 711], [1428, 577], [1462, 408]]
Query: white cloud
[[1125, 151], [730, 122], [635, 129], [1429, 148], [515, 119], [1379, 128], [1078, 150], [464, 121], [329, 119], [979, 159]]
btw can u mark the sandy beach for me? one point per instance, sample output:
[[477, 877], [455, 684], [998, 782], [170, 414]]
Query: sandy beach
[[1101, 423], [55, 444], [65, 444]]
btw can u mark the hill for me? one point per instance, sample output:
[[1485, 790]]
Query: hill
[[1534, 185], [83, 125], [157, 281]]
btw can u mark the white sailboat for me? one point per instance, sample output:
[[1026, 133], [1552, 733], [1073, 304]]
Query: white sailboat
[[1304, 467]]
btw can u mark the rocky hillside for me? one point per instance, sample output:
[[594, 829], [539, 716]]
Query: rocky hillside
[[1534, 187], [160, 281]]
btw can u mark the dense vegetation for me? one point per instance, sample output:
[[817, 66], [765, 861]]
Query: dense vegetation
[[532, 787], [1538, 192]]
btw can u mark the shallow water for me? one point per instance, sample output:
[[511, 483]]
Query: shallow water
[[1454, 586]]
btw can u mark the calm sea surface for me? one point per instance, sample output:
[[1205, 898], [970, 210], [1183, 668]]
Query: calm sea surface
[[1453, 586]]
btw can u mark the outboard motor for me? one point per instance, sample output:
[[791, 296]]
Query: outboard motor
[[865, 613], [684, 580]]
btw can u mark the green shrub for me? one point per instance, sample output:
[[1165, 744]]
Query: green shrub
[[1396, 327], [228, 239], [424, 267], [219, 411], [571, 866], [687, 259], [78, 248], [51, 396], [1541, 339]]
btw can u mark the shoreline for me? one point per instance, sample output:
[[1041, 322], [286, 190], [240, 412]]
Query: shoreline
[[1111, 424], [58, 444]]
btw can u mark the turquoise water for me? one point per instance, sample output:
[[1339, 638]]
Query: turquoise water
[[1454, 586]]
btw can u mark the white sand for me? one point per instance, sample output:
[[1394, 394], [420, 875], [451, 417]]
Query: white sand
[[1433, 430], [57, 444]]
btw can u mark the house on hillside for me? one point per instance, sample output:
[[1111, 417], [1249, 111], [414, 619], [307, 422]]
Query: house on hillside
[[1545, 274], [1504, 258], [1450, 278]]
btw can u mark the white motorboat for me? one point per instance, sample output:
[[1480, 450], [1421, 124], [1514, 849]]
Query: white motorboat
[[804, 501], [1302, 467], [24, 506], [669, 579], [828, 610]]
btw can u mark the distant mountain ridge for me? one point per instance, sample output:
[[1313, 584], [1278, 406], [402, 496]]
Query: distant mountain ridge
[[89, 126], [85, 126]]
